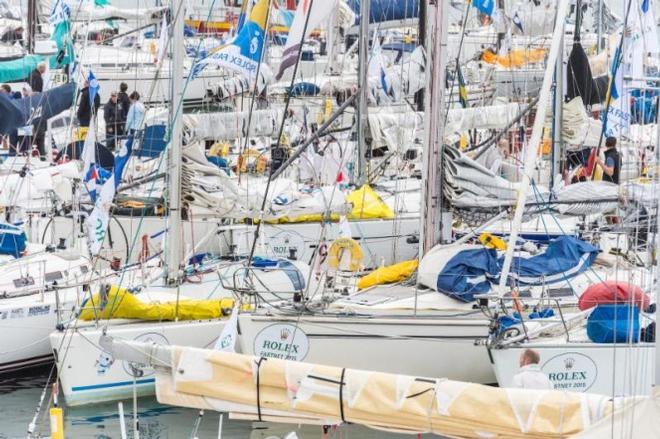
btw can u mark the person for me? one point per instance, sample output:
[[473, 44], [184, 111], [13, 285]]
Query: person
[[530, 375], [612, 163], [85, 108], [112, 113], [135, 114], [5, 89], [36, 79], [124, 101]]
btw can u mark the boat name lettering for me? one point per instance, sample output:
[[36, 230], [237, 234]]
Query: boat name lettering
[[38, 310], [283, 341], [17, 313], [571, 371]]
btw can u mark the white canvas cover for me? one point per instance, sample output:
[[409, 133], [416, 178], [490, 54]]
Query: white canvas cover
[[232, 125]]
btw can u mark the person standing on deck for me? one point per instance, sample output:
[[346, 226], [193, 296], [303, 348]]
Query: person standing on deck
[[125, 103], [612, 164], [36, 78], [135, 114], [112, 114], [85, 111]]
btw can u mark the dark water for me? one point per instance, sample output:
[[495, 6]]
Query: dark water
[[19, 396]]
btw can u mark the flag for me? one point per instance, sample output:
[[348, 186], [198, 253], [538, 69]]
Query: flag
[[97, 222], [122, 158], [246, 8], [243, 54], [486, 7], [227, 340], [318, 15], [95, 179], [162, 41], [94, 88], [649, 28], [88, 155], [60, 14], [518, 22], [617, 119]]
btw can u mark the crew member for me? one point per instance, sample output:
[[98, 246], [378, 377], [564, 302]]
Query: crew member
[[530, 375]]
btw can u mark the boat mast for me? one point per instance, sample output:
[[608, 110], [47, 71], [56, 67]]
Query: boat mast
[[173, 260], [421, 39], [558, 119], [434, 124], [363, 51], [531, 151], [31, 24]]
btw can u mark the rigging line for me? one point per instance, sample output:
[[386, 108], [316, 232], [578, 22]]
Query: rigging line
[[280, 131]]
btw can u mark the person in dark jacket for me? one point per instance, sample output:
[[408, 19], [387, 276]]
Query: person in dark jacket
[[84, 108], [124, 100], [112, 114], [612, 164], [36, 78]]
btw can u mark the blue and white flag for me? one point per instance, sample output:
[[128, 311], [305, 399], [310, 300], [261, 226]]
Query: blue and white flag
[[97, 222], [95, 179], [486, 7], [243, 54], [61, 13], [121, 159], [227, 340], [94, 87], [517, 21], [649, 27], [617, 120]]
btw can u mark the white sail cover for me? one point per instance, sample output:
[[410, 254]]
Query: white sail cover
[[488, 117], [233, 125], [395, 129], [470, 185], [578, 129], [206, 186]]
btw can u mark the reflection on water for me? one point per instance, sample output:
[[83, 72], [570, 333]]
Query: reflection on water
[[20, 393]]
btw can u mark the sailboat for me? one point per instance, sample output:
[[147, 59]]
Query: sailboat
[[574, 354], [404, 327]]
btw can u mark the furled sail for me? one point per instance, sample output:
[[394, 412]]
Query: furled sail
[[288, 391]]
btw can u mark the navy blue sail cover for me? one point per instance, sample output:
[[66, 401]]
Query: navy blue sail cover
[[32, 110], [472, 272]]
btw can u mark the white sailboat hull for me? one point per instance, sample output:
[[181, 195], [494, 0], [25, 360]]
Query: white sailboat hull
[[89, 375], [383, 241], [606, 369], [418, 346], [26, 323]]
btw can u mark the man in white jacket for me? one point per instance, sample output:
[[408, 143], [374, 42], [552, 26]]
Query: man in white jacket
[[530, 375]]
